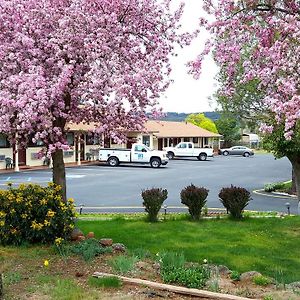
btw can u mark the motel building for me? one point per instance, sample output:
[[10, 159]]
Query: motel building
[[84, 146]]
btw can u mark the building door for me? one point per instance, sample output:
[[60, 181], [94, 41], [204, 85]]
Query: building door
[[160, 144], [22, 157]]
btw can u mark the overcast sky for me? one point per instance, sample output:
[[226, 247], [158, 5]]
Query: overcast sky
[[187, 94]]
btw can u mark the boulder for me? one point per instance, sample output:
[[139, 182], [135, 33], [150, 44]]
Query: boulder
[[90, 235], [76, 232], [106, 242], [118, 247], [80, 238], [294, 286], [247, 276], [223, 270]]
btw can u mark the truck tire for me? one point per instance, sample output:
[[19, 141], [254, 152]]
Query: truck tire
[[202, 156], [170, 155], [155, 162], [113, 161]]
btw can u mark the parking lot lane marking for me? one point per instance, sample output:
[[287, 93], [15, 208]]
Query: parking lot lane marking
[[29, 179], [8, 178]]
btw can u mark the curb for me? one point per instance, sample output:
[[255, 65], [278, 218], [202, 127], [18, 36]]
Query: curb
[[274, 194]]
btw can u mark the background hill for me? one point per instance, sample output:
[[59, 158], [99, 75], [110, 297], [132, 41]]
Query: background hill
[[179, 117]]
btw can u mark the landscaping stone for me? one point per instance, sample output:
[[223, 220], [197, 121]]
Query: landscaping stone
[[223, 270], [141, 265], [293, 286], [80, 238], [106, 242], [118, 247], [76, 232], [249, 275], [90, 235]]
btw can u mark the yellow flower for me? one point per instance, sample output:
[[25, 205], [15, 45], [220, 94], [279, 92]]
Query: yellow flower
[[50, 213], [2, 223], [24, 216], [43, 202], [58, 241], [46, 263], [37, 226], [2, 214], [13, 230], [46, 223], [71, 200], [71, 226], [12, 211]]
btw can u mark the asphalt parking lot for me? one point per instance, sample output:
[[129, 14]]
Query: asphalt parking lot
[[119, 188]]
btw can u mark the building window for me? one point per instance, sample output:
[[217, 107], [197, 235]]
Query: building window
[[166, 143], [186, 139], [195, 140], [146, 140], [205, 141], [92, 139], [3, 141], [70, 138]]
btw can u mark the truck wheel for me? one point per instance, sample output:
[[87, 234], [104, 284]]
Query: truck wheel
[[170, 155], [202, 156], [113, 161], [155, 162]]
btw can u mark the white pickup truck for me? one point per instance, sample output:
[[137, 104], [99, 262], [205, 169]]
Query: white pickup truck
[[187, 149], [139, 153]]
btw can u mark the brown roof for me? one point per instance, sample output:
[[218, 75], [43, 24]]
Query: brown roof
[[177, 129]]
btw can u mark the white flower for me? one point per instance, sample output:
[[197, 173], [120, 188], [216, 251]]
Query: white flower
[[205, 261]]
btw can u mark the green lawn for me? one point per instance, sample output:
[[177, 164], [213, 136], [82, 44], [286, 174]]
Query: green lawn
[[268, 245]]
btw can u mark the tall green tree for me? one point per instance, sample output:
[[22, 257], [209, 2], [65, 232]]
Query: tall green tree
[[201, 121], [229, 128]]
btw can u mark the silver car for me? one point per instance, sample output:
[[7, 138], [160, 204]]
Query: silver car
[[237, 150]]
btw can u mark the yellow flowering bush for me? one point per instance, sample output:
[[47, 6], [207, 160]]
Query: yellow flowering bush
[[35, 214]]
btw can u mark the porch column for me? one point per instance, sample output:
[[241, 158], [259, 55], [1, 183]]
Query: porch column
[[79, 150], [17, 169]]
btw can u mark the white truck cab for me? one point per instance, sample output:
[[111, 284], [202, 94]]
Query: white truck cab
[[139, 153], [187, 149]]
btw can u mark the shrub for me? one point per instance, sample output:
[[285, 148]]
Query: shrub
[[235, 276], [194, 198], [123, 264], [153, 200], [34, 214], [89, 249], [235, 199], [171, 260], [261, 280]]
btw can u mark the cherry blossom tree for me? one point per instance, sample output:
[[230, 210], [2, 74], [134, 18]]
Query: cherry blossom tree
[[99, 61], [257, 43]]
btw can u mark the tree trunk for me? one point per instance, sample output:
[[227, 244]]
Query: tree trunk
[[59, 172], [293, 188], [295, 160]]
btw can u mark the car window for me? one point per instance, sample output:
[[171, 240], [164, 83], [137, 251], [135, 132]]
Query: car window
[[190, 146], [182, 146], [140, 148]]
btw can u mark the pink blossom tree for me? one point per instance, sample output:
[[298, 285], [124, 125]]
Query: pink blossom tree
[[256, 43], [85, 61]]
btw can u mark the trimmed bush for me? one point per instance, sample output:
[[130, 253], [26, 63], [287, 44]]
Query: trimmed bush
[[235, 199], [34, 214], [153, 200], [194, 198]]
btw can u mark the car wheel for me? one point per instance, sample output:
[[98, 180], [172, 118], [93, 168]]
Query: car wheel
[[246, 154], [202, 156], [225, 153], [155, 162], [113, 161], [170, 155]]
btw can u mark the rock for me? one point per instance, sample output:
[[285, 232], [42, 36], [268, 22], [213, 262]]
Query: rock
[[223, 270], [293, 286], [79, 274], [118, 247], [141, 265], [76, 232], [80, 238], [90, 235], [249, 275], [156, 266], [106, 242]]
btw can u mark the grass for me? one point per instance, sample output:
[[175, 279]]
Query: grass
[[261, 244], [105, 282], [123, 264]]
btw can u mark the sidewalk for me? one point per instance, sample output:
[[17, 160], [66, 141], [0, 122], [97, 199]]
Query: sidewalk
[[67, 165]]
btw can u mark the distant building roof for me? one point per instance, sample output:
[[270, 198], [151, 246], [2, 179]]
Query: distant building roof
[[177, 129], [252, 137]]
